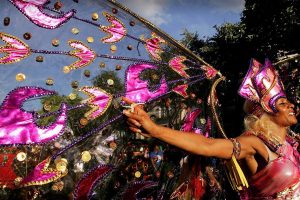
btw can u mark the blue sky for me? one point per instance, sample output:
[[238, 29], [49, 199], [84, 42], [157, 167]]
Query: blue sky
[[173, 16]]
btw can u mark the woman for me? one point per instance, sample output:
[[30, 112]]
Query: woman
[[272, 163]]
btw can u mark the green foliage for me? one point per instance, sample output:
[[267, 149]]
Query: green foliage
[[101, 81]]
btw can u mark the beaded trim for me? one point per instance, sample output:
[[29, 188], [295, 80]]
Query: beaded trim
[[111, 30], [236, 147]]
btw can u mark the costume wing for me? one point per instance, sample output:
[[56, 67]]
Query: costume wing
[[63, 67]]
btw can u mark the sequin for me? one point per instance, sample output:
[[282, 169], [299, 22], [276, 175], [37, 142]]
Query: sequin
[[66, 69], [49, 81], [21, 156], [87, 73], [118, 67], [72, 96], [20, 77], [95, 16], [114, 10], [47, 106], [86, 156], [129, 47], [137, 174], [83, 121], [6, 21], [58, 5], [39, 59], [131, 23], [61, 165], [90, 39], [74, 84], [102, 64], [27, 36], [110, 82], [55, 42], [75, 31], [113, 48]]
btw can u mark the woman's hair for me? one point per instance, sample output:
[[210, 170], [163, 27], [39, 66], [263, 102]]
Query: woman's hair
[[260, 125]]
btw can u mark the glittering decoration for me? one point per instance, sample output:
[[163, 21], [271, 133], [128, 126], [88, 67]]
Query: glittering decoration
[[113, 48], [118, 67], [58, 5], [102, 64], [47, 107], [49, 81], [6, 21], [20, 77], [84, 54], [74, 84], [61, 164], [75, 31], [95, 16], [39, 59], [14, 49], [137, 174], [27, 36], [114, 10], [137, 89], [87, 73], [72, 96], [132, 23], [21, 156], [181, 90], [41, 175], [99, 101], [116, 31], [86, 156], [66, 69], [11, 132], [129, 47], [55, 42], [87, 183], [83, 121], [33, 10], [152, 46], [210, 72], [177, 65], [110, 82], [90, 39]]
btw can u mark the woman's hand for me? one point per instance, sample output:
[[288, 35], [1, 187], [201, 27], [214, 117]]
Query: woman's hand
[[138, 120]]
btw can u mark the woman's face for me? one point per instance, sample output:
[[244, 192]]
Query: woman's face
[[286, 115]]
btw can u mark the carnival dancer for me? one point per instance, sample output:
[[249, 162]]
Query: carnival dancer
[[269, 153]]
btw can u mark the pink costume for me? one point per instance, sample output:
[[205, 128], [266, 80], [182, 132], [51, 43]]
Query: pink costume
[[280, 178]]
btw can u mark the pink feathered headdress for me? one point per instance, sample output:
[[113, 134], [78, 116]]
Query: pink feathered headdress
[[262, 85]]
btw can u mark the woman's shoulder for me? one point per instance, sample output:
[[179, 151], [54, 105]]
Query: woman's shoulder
[[251, 139]]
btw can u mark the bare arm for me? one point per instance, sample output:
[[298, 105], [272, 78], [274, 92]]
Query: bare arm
[[139, 121]]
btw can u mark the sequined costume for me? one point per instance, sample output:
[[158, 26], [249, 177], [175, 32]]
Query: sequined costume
[[280, 178]]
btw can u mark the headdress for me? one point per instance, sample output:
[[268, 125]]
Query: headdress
[[262, 85]]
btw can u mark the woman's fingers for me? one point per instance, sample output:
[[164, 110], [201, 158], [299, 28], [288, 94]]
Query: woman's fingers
[[132, 115], [126, 100], [135, 130], [134, 122]]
